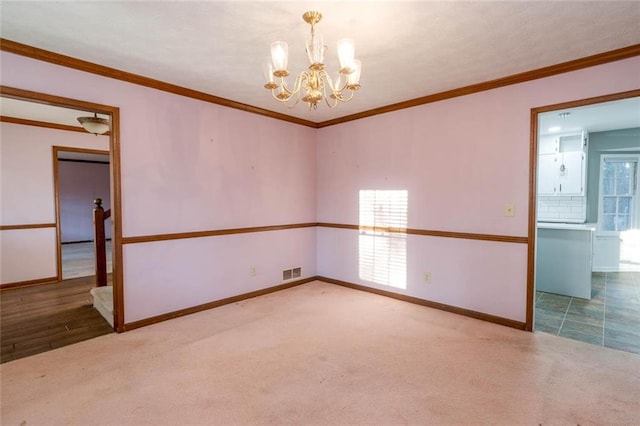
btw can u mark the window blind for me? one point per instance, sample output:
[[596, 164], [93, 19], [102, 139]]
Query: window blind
[[383, 238]]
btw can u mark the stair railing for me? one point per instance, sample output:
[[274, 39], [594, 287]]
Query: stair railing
[[100, 242]]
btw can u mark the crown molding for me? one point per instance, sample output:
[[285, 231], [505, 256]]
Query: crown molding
[[574, 65], [93, 68], [78, 64]]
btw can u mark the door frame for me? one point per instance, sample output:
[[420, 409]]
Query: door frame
[[56, 191], [533, 172], [115, 182]]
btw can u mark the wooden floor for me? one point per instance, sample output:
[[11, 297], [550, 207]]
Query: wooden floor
[[48, 316]]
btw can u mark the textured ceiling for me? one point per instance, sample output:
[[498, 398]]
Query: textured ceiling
[[408, 49]]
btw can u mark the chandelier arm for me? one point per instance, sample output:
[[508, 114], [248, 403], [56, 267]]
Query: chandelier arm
[[285, 100], [339, 97], [339, 93], [282, 92], [286, 93], [324, 94], [344, 98], [301, 78], [294, 104], [283, 84], [297, 84], [346, 83], [330, 82], [327, 101], [329, 104]]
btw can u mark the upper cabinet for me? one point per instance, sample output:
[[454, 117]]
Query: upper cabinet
[[562, 164]]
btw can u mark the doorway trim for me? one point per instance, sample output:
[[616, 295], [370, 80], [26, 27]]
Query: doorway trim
[[115, 181], [533, 174], [56, 191]]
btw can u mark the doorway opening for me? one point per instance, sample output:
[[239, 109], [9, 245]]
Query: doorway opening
[[108, 157], [80, 177], [584, 271]]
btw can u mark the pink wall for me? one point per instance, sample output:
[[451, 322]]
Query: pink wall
[[189, 165], [212, 167], [189, 272], [209, 167], [80, 184], [461, 161]]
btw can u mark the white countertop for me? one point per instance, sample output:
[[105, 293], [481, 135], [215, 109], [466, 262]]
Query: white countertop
[[568, 226]]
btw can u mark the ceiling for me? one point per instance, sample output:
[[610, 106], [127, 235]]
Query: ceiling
[[408, 49], [601, 117]]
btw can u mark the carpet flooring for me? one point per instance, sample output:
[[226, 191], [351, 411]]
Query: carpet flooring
[[320, 354]]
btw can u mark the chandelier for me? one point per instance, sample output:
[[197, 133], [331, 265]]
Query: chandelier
[[314, 85]]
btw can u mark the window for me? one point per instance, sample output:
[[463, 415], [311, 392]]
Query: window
[[618, 193], [383, 237]]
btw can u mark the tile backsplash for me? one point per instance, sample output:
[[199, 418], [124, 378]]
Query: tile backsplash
[[562, 209]]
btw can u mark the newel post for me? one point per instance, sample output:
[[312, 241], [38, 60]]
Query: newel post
[[99, 243]]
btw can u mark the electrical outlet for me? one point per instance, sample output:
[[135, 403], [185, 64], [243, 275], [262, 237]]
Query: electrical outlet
[[253, 271], [509, 210], [427, 277]]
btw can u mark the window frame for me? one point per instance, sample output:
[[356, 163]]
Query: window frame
[[635, 201]]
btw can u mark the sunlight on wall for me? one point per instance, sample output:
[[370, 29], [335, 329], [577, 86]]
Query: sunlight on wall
[[383, 237]]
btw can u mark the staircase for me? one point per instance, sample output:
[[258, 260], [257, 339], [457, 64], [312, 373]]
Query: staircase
[[103, 302]]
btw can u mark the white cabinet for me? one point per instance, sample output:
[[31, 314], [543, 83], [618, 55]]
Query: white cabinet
[[571, 175], [547, 174], [562, 165]]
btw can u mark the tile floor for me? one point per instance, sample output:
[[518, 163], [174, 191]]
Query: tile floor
[[611, 318]]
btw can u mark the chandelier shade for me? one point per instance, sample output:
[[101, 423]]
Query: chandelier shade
[[346, 52], [279, 58], [354, 76], [95, 124], [313, 85], [268, 74], [316, 50]]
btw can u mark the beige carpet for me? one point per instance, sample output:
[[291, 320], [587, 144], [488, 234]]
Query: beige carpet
[[323, 354]]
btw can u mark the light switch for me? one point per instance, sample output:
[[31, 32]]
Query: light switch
[[509, 210]]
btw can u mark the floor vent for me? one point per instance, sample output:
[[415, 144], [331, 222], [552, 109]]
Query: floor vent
[[289, 274], [286, 274]]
